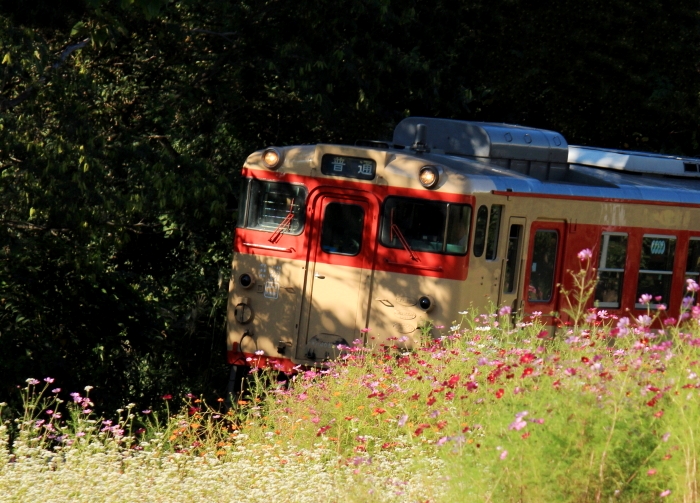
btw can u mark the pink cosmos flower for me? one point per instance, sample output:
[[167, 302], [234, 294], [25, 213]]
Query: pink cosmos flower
[[665, 493], [585, 254], [645, 298], [644, 320], [691, 285], [504, 455], [519, 422]]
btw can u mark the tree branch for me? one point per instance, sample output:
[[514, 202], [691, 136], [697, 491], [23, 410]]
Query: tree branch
[[15, 224], [6, 104]]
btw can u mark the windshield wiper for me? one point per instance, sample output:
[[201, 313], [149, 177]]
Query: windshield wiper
[[284, 225], [394, 229]]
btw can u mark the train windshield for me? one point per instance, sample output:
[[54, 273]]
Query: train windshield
[[427, 226], [272, 206]]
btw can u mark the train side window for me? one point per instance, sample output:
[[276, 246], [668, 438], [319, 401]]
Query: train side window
[[341, 233], [656, 269], [544, 257], [426, 226], [482, 220], [272, 204], [611, 269], [494, 228], [692, 265], [514, 236]]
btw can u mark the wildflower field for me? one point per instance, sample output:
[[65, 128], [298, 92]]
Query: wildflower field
[[492, 410]]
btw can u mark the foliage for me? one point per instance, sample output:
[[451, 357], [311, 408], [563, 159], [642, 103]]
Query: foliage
[[481, 413], [123, 124]]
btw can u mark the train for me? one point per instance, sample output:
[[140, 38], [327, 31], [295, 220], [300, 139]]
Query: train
[[375, 243]]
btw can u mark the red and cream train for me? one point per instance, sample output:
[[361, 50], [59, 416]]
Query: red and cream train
[[337, 243]]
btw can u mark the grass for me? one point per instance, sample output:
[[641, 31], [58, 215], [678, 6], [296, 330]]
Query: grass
[[490, 411]]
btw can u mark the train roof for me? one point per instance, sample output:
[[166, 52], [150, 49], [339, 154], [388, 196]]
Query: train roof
[[519, 159]]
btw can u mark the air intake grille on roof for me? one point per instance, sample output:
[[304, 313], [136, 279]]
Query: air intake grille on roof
[[689, 167]]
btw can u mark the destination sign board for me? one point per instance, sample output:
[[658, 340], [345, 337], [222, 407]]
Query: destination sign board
[[348, 167]]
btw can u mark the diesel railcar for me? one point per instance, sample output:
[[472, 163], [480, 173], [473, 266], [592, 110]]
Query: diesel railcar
[[337, 244]]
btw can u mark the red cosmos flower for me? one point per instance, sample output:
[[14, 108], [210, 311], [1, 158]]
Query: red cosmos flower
[[465, 429], [499, 393], [659, 413], [431, 401], [651, 402], [411, 372], [452, 382], [527, 358], [449, 395], [471, 385], [527, 371], [556, 383], [420, 429], [584, 359], [378, 410], [415, 396], [441, 424], [167, 397], [525, 435], [544, 334], [322, 430]]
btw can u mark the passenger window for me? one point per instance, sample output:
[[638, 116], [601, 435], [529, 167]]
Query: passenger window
[[494, 227], [544, 256], [342, 229], [611, 269], [482, 217], [514, 236], [426, 226], [656, 269]]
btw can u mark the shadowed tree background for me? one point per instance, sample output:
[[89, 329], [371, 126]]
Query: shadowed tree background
[[123, 126]]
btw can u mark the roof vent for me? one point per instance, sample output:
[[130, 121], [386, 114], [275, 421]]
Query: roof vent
[[635, 162], [482, 139]]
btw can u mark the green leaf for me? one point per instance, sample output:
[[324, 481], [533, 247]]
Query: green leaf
[[77, 28]]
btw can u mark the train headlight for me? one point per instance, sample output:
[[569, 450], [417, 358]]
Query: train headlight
[[272, 158], [246, 280], [429, 176], [426, 303]]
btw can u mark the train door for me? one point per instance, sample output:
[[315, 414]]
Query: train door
[[510, 291], [338, 273], [543, 274]]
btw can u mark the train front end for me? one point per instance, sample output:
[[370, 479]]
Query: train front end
[[342, 246]]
